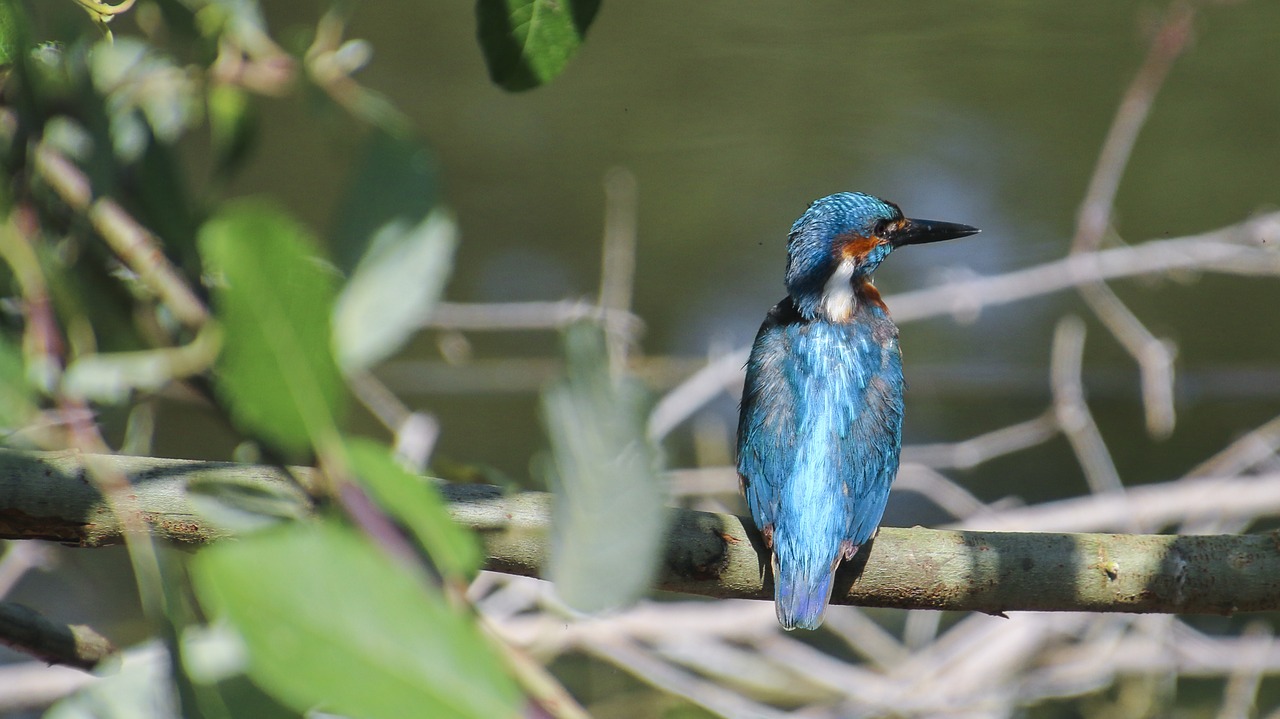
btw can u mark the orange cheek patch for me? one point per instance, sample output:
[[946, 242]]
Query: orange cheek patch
[[857, 245], [869, 293]]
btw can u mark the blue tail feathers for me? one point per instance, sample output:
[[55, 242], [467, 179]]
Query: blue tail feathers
[[801, 590]]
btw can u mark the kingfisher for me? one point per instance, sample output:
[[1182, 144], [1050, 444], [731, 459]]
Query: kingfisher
[[820, 428]]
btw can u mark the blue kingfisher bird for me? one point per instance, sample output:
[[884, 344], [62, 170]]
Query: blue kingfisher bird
[[820, 429]]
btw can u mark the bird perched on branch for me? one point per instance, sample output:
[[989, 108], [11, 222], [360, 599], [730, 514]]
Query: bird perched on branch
[[820, 428]]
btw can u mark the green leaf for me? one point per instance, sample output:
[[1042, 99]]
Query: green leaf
[[608, 502], [405, 247], [12, 35], [394, 287], [416, 503], [274, 299], [332, 624], [17, 401], [527, 43]]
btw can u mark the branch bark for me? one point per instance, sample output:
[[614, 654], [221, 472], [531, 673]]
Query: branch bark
[[75, 645], [44, 495]]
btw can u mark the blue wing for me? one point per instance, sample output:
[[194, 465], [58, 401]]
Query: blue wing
[[767, 423], [818, 445]]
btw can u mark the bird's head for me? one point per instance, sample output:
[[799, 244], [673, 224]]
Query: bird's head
[[841, 239]]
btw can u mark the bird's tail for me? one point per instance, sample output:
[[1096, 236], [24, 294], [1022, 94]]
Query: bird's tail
[[801, 590]]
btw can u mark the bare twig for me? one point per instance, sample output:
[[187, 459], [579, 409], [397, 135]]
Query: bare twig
[[867, 638], [1152, 505], [35, 685], [631, 657], [1154, 356], [1241, 693], [137, 248], [75, 645], [20, 558], [1073, 413], [1244, 454], [618, 262], [507, 316], [543, 688], [1095, 209], [976, 450], [720, 374]]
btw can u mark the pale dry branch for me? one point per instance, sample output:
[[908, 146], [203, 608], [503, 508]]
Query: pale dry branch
[[942, 491], [1153, 505], [974, 451], [20, 558], [1244, 454], [31, 686], [1240, 249], [509, 316], [867, 638], [1154, 356], [1096, 208], [1241, 693], [1072, 412], [633, 658], [618, 264], [723, 373]]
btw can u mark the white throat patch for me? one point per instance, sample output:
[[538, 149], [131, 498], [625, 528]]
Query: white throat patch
[[837, 294]]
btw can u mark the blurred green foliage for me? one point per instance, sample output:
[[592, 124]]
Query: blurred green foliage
[[274, 297], [332, 623], [118, 154], [609, 505]]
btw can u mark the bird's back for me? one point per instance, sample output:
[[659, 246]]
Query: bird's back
[[818, 444]]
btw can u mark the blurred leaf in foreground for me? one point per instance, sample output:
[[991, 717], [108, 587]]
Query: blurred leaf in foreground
[[274, 299], [335, 625], [527, 43], [17, 403], [394, 288], [609, 505], [415, 503], [397, 247], [12, 37]]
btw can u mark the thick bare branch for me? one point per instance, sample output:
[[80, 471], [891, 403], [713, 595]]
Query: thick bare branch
[[28, 631], [44, 495]]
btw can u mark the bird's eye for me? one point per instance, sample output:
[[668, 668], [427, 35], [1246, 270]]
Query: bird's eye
[[882, 227]]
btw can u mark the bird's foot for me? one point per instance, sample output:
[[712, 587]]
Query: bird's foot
[[848, 549]]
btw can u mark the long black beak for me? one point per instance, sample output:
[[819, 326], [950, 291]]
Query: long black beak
[[919, 232]]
